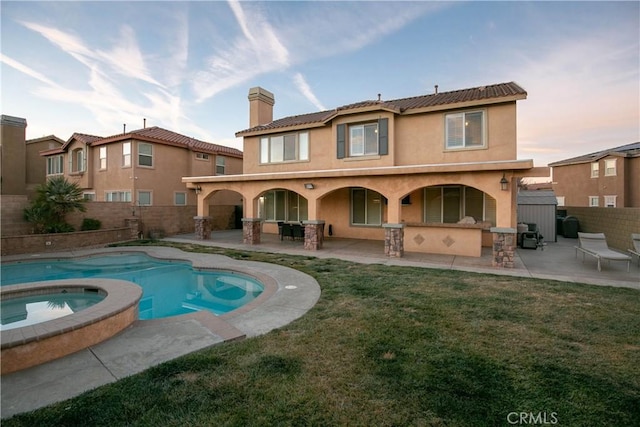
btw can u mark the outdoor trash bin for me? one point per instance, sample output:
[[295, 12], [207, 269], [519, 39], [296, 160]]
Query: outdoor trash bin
[[570, 227]]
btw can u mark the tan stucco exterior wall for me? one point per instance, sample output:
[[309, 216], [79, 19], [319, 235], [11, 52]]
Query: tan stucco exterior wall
[[13, 156]]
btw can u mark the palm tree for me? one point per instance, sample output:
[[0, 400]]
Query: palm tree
[[54, 200]]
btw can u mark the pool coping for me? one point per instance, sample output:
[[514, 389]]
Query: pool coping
[[288, 291]]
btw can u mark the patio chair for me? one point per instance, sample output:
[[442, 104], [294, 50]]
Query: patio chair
[[287, 231], [635, 239], [298, 232], [595, 244]]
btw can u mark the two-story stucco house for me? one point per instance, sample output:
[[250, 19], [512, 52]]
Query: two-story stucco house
[[607, 178], [431, 173], [143, 167]]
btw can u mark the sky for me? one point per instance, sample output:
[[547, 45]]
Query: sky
[[93, 67]]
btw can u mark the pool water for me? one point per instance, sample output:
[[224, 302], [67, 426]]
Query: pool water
[[169, 288], [29, 310]]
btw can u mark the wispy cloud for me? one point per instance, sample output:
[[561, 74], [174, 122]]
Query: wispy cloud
[[126, 58], [258, 50], [26, 70], [305, 89]]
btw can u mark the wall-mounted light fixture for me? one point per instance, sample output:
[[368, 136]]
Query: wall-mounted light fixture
[[198, 189], [309, 186], [504, 184]]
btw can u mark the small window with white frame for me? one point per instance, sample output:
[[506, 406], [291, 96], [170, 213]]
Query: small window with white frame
[[55, 165], [103, 157], [610, 167], [202, 156], [595, 170], [145, 154], [465, 130], [610, 201], [220, 165], [180, 198], [126, 154], [363, 140], [89, 197], [144, 198], [117, 196], [594, 201]]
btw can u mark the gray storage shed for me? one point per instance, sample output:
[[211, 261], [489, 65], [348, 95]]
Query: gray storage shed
[[539, 207]]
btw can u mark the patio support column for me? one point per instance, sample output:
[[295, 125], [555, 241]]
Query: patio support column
[[504, 247], [394, 240], [203, 227], [251, 231], [313, 234]]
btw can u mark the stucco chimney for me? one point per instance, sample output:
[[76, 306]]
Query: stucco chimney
[[260, 106]]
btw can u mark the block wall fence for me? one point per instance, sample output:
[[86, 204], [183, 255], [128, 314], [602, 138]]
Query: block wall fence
[[616, 223]]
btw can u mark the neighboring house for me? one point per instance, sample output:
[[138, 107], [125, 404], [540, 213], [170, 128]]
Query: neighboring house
[[36, 164], [432, 173], [607, 178], [22, 171], [143, 167]]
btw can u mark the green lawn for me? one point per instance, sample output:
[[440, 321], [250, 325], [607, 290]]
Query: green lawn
[[398, 346]]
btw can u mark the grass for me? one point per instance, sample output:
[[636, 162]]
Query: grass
[[397, 346]]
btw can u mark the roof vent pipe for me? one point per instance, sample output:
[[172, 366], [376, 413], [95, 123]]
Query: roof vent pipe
[[379, 95], [144, 123], [124, 128], [436, 87]]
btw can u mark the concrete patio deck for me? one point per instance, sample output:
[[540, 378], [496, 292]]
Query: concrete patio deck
[[558, 260]]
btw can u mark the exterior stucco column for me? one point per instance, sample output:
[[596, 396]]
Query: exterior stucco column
[[251, 231], [203, 227], [504, 247], [394, 240], [313, 234]]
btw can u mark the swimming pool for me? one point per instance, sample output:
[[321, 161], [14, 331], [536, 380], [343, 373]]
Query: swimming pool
[[170, 288]]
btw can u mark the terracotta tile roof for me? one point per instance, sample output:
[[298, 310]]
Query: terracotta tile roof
[[629, 150], [164, 136], [490, 92]]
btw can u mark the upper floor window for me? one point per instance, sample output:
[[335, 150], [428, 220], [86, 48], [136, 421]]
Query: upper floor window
[[366, 207], [610, 201], [55, 165], [363, 139], [202, 156], [117, 196], [465, 130], [77, 160], [89, 197], [610, 167], [145, 154], [126, 154], [594, 201], [595, 170], [284, 148], [220, 165], [103, 157]]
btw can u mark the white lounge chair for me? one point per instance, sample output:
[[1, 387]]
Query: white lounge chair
[[595, 244], [635, 239]]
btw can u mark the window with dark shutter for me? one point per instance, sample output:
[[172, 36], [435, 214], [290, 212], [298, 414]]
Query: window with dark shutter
[[341, 141], [383, 138]]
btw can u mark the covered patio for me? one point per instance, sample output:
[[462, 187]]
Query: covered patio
[[557, 261]]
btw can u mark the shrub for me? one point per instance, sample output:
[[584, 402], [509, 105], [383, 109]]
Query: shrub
[[90, 224]]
